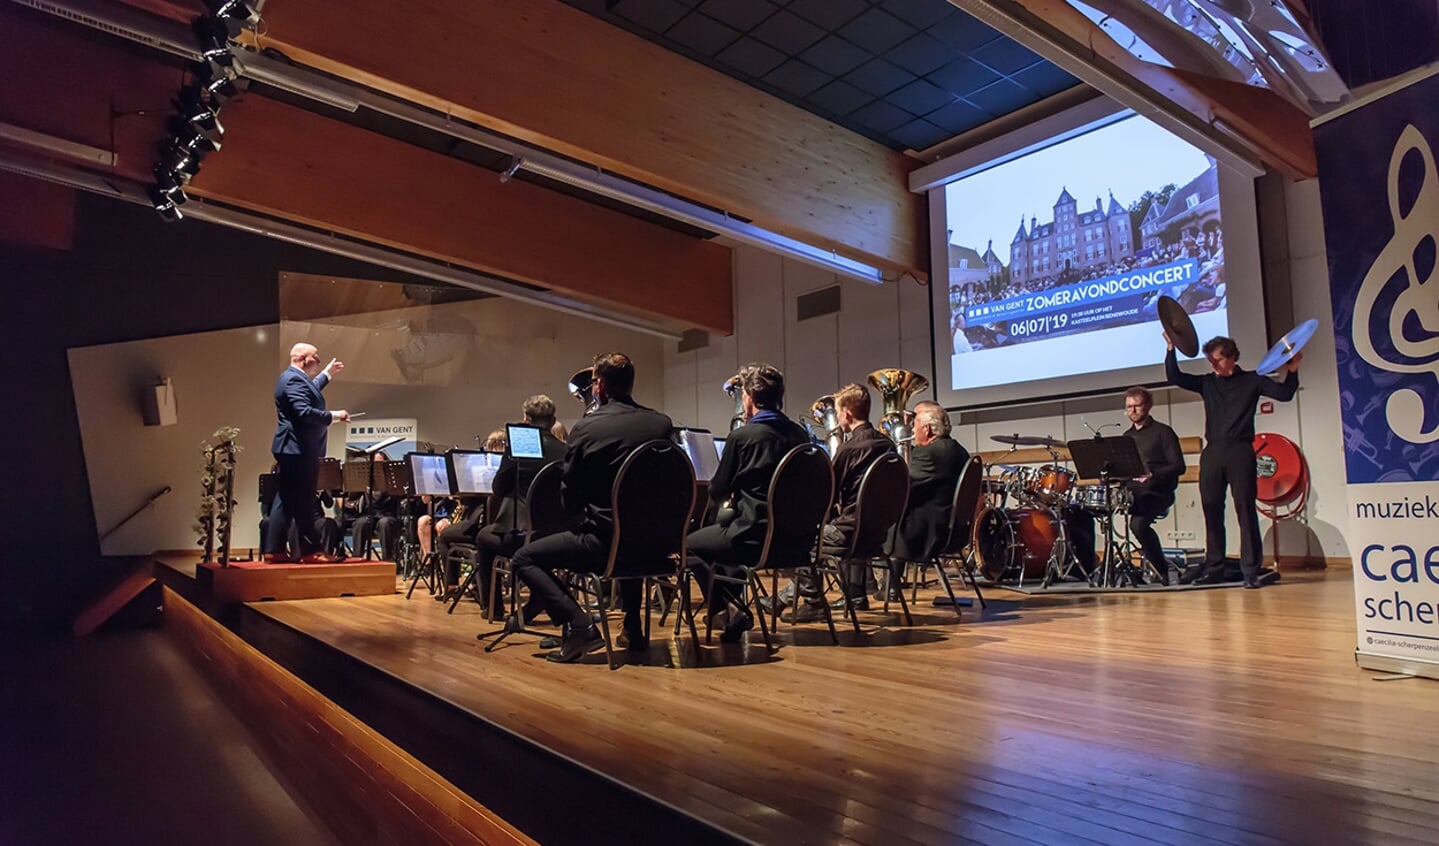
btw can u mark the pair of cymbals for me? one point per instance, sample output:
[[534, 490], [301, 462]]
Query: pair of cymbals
[[1027, 440], [1180, 329]]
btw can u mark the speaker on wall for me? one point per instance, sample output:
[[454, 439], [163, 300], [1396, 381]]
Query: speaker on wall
[[159, 404]]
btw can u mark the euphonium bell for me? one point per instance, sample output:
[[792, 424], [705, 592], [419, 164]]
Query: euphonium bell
[[826, 414], [582, 388], [896, 387], [736, 393]]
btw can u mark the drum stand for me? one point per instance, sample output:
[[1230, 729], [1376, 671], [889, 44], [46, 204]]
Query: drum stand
[[1111, 460], [1117, 568]]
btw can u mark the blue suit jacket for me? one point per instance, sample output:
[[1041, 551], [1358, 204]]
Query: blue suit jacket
[[303, 421]]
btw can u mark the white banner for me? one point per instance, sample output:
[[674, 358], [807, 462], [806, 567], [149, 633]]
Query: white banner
[[363, 434]]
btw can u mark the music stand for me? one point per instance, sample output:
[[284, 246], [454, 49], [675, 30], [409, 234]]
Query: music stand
[[329, 475], [472, 474], [429, 476], [1113, 459], [525, 443]]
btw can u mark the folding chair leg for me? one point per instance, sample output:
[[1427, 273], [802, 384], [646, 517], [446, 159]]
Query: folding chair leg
[[756, 589], [471, 583], [967, 572], [944, 580], [688, 612], [897, 574]]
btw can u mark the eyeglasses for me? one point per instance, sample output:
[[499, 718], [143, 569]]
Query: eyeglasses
[[1139, 406]]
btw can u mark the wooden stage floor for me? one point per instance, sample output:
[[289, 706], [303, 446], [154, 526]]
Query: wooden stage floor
[[1220, 716]]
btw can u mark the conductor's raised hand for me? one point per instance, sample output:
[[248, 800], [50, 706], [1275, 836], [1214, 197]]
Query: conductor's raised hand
[[334, 367]]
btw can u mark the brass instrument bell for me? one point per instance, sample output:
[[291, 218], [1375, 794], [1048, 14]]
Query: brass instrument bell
[[582, 388], [896, 388], [736, 392], [826, 414]]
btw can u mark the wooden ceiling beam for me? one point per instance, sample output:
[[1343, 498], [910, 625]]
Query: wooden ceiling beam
[[302, 167], [1275, 130], [560, 79]]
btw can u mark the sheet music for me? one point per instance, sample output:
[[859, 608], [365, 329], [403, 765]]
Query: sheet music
[[700, 447]]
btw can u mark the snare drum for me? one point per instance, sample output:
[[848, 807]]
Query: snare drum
[[1014, 544], [1091, 498]]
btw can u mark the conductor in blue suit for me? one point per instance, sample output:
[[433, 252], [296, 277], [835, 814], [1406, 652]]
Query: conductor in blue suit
[[298, 448]]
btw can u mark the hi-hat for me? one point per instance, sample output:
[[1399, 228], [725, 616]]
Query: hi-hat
[[1287, 347], [1178, 326]]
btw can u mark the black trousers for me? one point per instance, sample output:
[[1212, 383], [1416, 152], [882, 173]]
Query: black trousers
[[1229, 466], [536, 562], [1147, 507], [461, 532], [325, 527], [364, 529], [709, 550], [295, 499]]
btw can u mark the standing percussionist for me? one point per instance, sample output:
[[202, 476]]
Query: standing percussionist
[[1153, 493], [598, 445], [1231, 396], [752, 454], [299, 445]]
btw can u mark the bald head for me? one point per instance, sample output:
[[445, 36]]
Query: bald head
[[306, 357]]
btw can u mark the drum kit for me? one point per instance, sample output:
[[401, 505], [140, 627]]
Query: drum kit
[[1021, 534]]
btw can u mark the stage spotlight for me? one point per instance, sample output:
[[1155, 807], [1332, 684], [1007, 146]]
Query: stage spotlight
[[164, 204], [214, 36], [193, 109], [179, 161], [236, 14], [193, 136], [218, 79], [169, 185], [514, 167]]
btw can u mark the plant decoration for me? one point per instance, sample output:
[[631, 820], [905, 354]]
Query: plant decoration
[[217, 498]]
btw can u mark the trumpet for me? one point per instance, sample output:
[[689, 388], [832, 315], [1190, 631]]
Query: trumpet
[[582, 388], [732, 387], [896, 387], [826, 414]]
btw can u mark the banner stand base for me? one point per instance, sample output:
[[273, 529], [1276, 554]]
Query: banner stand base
[[1400, 666]]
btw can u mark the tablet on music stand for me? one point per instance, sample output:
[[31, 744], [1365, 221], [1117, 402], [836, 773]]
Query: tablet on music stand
[[719, 447], [472, 471], [430, 474], [524, 441], [699, 445]]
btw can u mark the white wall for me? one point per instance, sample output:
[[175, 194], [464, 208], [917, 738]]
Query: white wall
[[227, 379], [889, 326]]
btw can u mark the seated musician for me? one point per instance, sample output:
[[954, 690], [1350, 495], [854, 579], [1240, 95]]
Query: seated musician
[[936, 462], [752, 453], [863, 445], [427, 527], [1153, 493], [380, 515], [598, 445], [466, 521]]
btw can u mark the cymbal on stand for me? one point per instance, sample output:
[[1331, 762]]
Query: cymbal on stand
[[1178, 326]]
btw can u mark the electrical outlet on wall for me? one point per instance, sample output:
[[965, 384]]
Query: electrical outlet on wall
[[1181, 535]]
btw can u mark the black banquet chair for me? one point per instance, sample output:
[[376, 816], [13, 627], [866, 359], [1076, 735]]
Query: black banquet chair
[[652, 497], [963, 505], [883, 496], [543, 513], [799, 497]]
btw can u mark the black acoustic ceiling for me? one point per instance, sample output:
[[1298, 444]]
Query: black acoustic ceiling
[[907, 73]]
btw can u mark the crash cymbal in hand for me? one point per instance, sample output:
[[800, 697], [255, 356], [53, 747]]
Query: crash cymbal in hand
[[1287, 347], [1178, 326]]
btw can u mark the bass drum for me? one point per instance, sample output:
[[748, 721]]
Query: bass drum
[[1009, 544]]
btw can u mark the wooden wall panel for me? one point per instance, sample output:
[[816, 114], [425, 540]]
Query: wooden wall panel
[[36, 213], [558, 78], [298, 165]]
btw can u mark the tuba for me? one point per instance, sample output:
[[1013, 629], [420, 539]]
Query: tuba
[[826, 415], [896, 387], [582, 388], [736, 393]]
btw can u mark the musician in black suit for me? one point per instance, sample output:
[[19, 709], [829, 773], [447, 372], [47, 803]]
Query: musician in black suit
[[936, 462], [863, 445], [598, 445], [511, 485], [298, 447], [1152, 495], [752, 453]]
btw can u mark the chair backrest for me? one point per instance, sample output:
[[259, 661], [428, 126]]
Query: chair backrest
[[800, 493], [883, 496], [965, 505], [544, 504], [652, 497]]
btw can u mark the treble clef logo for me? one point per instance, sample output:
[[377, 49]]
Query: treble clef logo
[[1420, 296]]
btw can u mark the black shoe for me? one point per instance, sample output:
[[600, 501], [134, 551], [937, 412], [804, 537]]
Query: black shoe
[[1213, 578], [1267, 577], [1252, 583], [766, 603], [736, 627], [577, 644], [555, 641], [807, 612], [634, 641], [860, 603]]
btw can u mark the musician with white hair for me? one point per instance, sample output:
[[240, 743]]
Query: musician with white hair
[[299, 445], [935, 463]]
